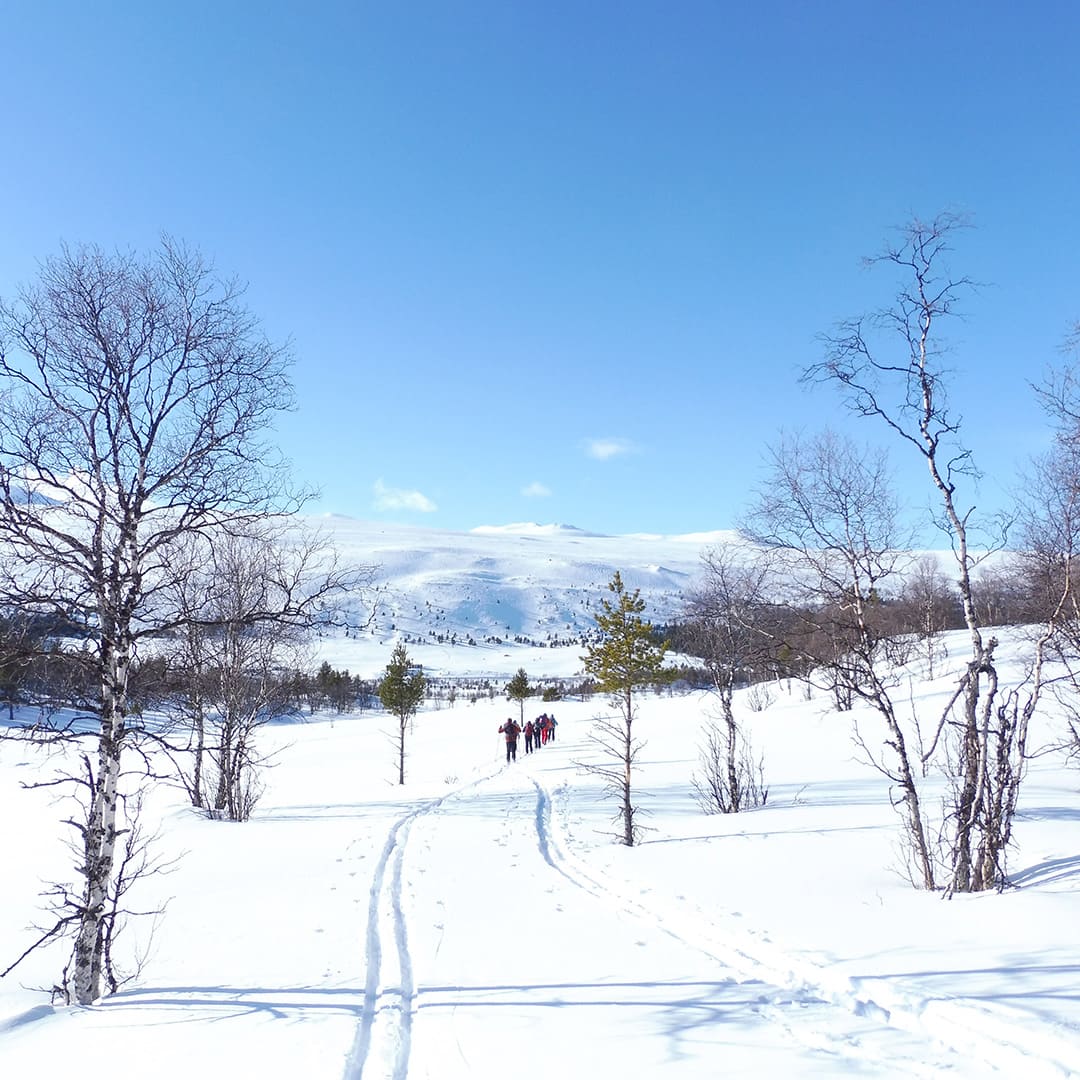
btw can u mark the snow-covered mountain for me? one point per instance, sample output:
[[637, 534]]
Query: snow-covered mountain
[[498, 597], [500, 586]]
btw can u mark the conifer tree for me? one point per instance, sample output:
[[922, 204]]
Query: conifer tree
[[518, 689], [401, 691], [625, 659]]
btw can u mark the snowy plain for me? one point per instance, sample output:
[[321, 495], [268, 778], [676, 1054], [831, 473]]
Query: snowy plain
[[480, 921]]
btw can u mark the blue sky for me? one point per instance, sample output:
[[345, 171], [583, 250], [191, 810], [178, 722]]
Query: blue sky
[[564, 261]]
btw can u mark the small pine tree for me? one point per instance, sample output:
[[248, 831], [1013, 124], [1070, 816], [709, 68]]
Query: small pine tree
[[401, 691], [518, 689], [625, 657]]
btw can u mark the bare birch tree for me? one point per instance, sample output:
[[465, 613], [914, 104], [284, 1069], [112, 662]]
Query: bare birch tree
[[929, 602], [727, 611], [248, 602], [1050, 542], [137, 397], [890, 367], [828, 513]]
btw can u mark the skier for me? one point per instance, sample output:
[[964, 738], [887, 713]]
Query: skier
[[511, 731], [528, 736], [552, 725]]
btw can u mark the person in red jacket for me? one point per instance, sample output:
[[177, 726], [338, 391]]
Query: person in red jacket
[[529, 732], [511, 730]]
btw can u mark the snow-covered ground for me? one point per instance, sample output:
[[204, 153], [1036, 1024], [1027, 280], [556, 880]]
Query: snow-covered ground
[[480, 921]]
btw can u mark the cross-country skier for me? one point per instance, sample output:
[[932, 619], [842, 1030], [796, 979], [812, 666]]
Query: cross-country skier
[[511, 731]]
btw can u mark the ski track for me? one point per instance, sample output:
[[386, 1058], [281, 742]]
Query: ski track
[[384, 1032], [380, 898], [995, 1036], [556, 854]]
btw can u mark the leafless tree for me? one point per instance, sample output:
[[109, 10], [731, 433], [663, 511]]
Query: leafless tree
[[1050, 543], [1002, 594], [24, 642], [249, 603], [729, 611], [722, 778], [929, 604], [890, 367], [137, 396], [828, 514]]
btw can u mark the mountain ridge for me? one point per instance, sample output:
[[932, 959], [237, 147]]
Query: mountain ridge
[[497, 587]]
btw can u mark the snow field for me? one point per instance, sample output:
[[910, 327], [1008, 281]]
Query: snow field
[[481, 920]]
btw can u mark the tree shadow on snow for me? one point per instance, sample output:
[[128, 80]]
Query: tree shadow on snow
[[1047, 872], [1048, 813], [1024, 981], [684, 1005]]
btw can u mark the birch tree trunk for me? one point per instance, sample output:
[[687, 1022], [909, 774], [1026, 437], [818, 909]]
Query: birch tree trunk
[[99, 837]]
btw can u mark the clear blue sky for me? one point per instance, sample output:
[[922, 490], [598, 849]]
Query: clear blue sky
[[563, 261]]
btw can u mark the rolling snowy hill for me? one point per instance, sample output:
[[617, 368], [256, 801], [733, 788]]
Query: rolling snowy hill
[[481, 591]]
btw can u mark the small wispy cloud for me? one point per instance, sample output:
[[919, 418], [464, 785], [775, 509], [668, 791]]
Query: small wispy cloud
[[536, 490], [603, 449], [387, 498]]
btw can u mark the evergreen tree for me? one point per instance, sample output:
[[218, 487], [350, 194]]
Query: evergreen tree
[[518, 689], [625, 658], [401, 691]]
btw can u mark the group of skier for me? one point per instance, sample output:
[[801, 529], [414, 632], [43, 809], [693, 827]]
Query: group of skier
[[538, 732]]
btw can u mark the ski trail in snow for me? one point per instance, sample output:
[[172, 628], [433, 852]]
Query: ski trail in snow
[[381, 899], [792, 989], [407, 991], [386, 1017]]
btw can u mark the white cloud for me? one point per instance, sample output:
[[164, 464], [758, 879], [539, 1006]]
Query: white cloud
[[397, 499], [602, 449], [536, 490]]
